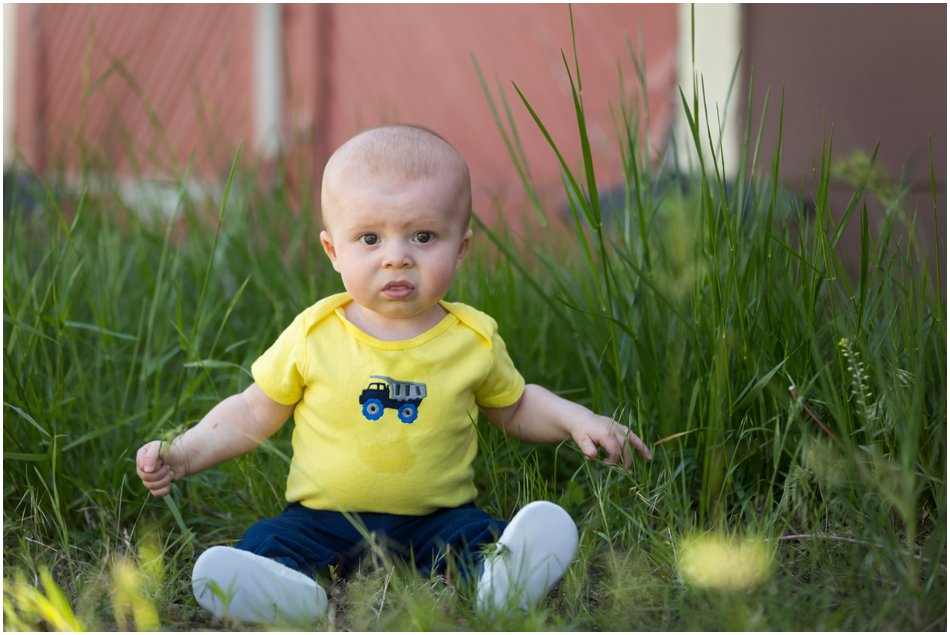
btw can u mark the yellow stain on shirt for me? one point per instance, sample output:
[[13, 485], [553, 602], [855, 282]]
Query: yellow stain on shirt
[[393, 455]]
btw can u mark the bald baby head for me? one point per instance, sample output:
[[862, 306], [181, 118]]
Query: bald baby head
[[395, 154]]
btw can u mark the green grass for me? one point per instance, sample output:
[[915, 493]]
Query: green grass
[[787, 396]]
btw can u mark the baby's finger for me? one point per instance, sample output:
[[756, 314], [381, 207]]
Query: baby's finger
[[162, 490], [626, 455], [613, 444], [588, 447], [162, 473], [152, 473], [147, 459], [640, 446], [160, 486]]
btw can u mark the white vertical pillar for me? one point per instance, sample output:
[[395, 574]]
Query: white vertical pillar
[[718, 29], [9, 72], [268, 76]]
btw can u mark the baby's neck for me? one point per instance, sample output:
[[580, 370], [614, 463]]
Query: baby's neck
[[393, 329]]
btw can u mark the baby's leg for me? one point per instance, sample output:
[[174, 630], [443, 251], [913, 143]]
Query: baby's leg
[[307, 540], [268, 577], [457, 535], [530, 554]]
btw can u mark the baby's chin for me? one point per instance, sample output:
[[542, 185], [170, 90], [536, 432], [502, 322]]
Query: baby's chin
[[404, 309], [402, 314]]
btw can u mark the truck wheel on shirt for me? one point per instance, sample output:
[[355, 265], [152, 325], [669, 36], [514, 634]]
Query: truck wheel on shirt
[[373, 409], [408, 413]]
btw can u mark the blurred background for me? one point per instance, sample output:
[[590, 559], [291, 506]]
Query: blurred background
[[137, 91]]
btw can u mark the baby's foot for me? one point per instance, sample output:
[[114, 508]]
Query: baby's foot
[[242, 586], [530, 557]]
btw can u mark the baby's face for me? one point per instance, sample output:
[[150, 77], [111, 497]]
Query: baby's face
[[397, 245]]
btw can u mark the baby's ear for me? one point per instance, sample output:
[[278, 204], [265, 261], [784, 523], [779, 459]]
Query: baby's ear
[[327, 241], [464, 247]]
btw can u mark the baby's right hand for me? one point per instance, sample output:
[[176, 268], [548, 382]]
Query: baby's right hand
[[153, 466]]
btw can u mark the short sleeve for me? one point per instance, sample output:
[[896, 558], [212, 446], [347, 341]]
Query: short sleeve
[[280, 370], [504, 385]]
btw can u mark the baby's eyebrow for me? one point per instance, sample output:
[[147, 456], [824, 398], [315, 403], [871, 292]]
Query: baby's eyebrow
[[362, 228]]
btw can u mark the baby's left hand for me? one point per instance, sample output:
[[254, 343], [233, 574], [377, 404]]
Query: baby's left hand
[[540, 416], [596, 431]]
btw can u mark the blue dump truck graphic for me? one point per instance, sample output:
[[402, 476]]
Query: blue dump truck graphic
[[402, 396]]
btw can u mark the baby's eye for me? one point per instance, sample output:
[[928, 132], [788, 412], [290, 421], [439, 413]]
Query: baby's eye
[[369, 239], [423, 237]]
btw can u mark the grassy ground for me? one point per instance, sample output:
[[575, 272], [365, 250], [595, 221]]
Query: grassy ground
[[796, 407]]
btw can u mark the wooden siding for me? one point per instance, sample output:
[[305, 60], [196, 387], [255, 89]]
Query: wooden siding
[[414, 63], [135, 88], [143, 87], [868, 76]]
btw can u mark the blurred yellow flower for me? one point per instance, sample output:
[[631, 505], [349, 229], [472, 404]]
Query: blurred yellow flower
[[719, 562], [129, 601]]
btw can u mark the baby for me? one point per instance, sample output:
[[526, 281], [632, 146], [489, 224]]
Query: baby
[[385, 382]]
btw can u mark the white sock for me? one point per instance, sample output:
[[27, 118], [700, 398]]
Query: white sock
[[530, 557], [242, 586]]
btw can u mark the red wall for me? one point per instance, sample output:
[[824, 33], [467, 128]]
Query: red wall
[[134, 88], [389, 63], [190, 67], [883, 83]]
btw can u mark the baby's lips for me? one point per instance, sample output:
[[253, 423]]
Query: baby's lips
[[398, 290]]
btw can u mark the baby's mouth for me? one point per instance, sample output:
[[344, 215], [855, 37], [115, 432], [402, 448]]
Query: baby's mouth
[[398, 290]]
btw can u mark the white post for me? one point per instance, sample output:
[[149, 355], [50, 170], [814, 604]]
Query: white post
[[268, 80], [718, 45]]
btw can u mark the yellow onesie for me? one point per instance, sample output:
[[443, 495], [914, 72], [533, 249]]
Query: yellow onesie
[[385, 426]]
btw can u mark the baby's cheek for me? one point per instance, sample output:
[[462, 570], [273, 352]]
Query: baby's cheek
[[443, 277]]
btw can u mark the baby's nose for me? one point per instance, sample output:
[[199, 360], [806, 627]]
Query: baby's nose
[[397, 257]]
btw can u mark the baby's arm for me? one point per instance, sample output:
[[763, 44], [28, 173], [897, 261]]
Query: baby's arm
[[540, 416], [232, 428]]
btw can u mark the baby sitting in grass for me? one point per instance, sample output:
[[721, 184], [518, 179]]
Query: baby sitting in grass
[[385, 382]]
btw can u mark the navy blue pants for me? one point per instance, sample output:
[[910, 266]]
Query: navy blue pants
[[311, 541]]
